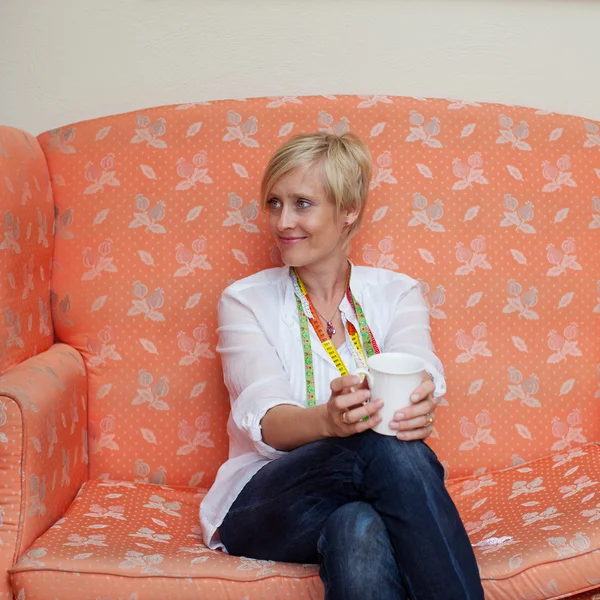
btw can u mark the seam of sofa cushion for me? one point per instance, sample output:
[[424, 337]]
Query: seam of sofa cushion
[[540, 564], [13, 572], [20, 523]]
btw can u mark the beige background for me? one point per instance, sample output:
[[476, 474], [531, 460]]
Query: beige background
[[67, 60]]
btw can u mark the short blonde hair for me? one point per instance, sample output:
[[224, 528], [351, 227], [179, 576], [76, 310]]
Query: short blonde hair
[[346, 168]]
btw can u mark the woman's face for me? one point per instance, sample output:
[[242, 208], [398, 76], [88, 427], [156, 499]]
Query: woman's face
[[303, 219]]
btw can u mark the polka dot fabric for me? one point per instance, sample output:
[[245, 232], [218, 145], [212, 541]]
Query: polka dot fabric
[[146, 539], [495, 209], [26, 247], [43, 447], [535, 530]]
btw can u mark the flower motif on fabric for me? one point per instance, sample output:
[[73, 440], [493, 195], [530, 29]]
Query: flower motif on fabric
[[473, 257], [145, 304], [151, 392], [150, 133], [468, 173], [241, 216], [102, 175], [567, 433], [327, 123], [194, 347], [513, 134], [192, 259], [193, 173], [382, 171], [476, 433], [146, 563], [427, 215], [563, 345], [424, 132], [148, 216], [12, 232], [517, 216], [100, 348], [242, 133], [559, 175], [382, 256], [522, 390], [472, 345]]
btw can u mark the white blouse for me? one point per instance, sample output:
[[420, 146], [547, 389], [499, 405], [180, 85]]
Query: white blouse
[[263, 361]]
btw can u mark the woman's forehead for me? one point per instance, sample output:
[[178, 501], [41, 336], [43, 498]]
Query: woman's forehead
[[302, 180]]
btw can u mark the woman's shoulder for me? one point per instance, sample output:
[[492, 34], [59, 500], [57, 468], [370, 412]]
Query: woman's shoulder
[[374, 276], [256, 282]]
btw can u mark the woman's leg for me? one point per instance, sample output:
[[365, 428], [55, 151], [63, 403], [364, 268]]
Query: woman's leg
[[404, 482], [356, 556], [280, 513]]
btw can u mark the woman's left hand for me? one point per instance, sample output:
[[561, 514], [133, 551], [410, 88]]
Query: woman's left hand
[[415, 422]]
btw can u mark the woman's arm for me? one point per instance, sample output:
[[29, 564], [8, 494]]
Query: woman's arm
[[289, 427], [262, 401], [410, 332]]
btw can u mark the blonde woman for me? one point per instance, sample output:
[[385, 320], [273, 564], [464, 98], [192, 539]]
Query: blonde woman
[[307, 480]]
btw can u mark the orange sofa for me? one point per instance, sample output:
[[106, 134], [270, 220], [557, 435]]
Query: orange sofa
[[118, 236]]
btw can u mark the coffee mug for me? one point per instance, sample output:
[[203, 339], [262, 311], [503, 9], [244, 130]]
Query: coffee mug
[[392, 377]]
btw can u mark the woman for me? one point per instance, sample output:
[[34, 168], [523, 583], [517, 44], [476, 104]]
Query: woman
[[307, 480]]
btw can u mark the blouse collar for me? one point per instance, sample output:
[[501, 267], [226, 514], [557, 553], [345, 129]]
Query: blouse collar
[[290, 311]]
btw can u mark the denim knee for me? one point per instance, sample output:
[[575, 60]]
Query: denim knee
[[409, 462], [356, 555]]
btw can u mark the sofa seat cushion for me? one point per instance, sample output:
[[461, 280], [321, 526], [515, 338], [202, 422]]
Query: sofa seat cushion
[[535, 528], [134, 540]]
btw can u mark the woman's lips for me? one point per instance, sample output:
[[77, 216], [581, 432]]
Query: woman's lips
[[290, 241]]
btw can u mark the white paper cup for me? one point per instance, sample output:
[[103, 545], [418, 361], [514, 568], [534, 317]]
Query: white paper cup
[[392, 377]]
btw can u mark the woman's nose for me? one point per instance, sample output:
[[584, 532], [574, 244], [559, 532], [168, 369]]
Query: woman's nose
[[286, 219]]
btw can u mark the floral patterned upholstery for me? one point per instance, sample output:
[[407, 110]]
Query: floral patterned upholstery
[[26, 247], [495, 209], [121, 530]]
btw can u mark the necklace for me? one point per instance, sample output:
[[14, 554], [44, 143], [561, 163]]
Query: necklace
[[306, 315], [330, 329]]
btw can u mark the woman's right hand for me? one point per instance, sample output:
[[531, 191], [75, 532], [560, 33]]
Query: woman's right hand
[[346, 407]]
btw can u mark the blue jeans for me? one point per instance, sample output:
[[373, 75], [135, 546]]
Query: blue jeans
[[372, 510]]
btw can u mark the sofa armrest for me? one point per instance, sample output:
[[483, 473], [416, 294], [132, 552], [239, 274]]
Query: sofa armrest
[[26, 248], [43, 446]]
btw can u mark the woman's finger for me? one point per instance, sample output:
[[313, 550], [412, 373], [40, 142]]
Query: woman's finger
[[415, 434], [358, 413], [363, 385], [426, 388], [416, 410], [420, 422], [345, 402], [339, 384]]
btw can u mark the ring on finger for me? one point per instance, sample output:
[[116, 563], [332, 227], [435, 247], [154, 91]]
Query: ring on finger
[[430, 420], [344, 418]]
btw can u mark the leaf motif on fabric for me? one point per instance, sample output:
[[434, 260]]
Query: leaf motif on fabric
[[148, 346]]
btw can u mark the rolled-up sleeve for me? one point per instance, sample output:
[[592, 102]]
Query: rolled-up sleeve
[[252, 370], [410, 330]]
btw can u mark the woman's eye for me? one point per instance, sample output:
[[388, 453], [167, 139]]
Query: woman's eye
[[273, 203], [303, 203]]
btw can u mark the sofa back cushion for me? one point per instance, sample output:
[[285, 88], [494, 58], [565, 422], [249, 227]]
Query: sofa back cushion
[[495, 209], [26, 246]]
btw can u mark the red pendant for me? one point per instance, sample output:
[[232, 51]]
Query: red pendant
[[330, 329]]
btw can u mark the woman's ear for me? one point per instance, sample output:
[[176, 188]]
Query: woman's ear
[[350, 217]]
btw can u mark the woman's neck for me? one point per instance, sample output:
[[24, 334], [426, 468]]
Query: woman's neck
[[325, 282]]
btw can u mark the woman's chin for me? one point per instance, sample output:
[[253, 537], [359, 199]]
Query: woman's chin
[[292, 258]]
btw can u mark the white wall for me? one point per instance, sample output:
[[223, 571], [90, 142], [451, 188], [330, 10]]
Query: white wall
[[67, 60]]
